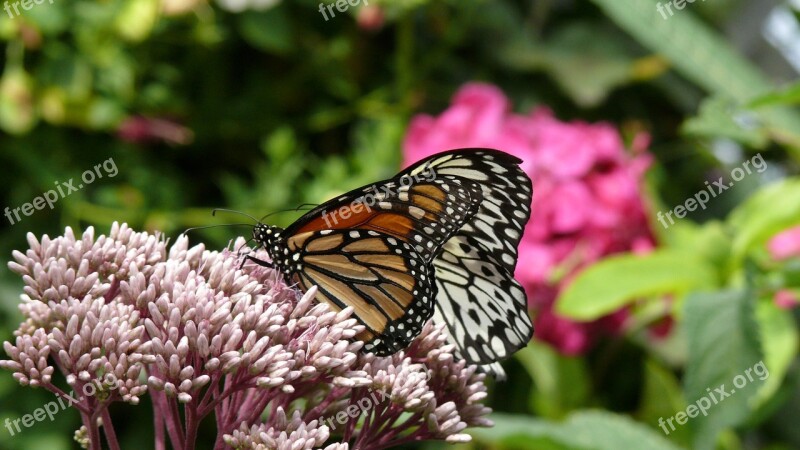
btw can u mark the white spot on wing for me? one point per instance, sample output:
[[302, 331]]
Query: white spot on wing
[[416, 212]]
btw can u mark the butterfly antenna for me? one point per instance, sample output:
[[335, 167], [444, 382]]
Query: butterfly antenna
[[220, 225], [303, 206], [214, 212]]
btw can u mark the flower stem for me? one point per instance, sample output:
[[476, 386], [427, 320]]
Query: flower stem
[[70, 401], [108, 429], [172, 422], [91, 429], [190, 412], [158, 427]]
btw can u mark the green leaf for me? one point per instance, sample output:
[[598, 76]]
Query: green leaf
[[779, 339], [788, 96], [586, 60], [768, 211], [268, 30], [662, 396], [702, 55], [561, 382], [722, 333], [717, 118], [709, 241], [614, 282], [587, 430]]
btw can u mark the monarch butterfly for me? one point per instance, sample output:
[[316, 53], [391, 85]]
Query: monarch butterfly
[[438, 239]]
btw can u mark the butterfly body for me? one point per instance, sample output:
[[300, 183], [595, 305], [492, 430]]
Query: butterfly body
[[440, 238], [269, 237]]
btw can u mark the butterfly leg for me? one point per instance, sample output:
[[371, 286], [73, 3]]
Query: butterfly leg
[[260, 262]]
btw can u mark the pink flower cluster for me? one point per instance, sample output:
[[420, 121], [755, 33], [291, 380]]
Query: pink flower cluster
[[203, 337], [587, 200]]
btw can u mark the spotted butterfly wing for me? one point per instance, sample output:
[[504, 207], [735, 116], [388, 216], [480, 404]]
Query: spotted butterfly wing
[[484, 307], [422, 210], [372, 248], [388, 284]]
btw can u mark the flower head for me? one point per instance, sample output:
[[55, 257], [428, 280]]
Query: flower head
[[122, 316]]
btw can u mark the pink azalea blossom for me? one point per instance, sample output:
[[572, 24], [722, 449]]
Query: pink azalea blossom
[[587, 200], [785, 244]]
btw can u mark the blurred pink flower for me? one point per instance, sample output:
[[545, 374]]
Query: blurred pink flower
[[662, 327], [587, 200], [786, 299], [370, 18], [785, 244], [140, 130]]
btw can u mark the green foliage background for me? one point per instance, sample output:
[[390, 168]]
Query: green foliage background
[[286, 108]]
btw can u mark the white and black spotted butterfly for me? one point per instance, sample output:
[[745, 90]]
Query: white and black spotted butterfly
[[441, 235], [484, 307]]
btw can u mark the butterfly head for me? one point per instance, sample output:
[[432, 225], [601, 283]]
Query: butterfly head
[[267, 237]]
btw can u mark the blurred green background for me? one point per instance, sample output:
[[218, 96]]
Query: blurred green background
[[262, 105]]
